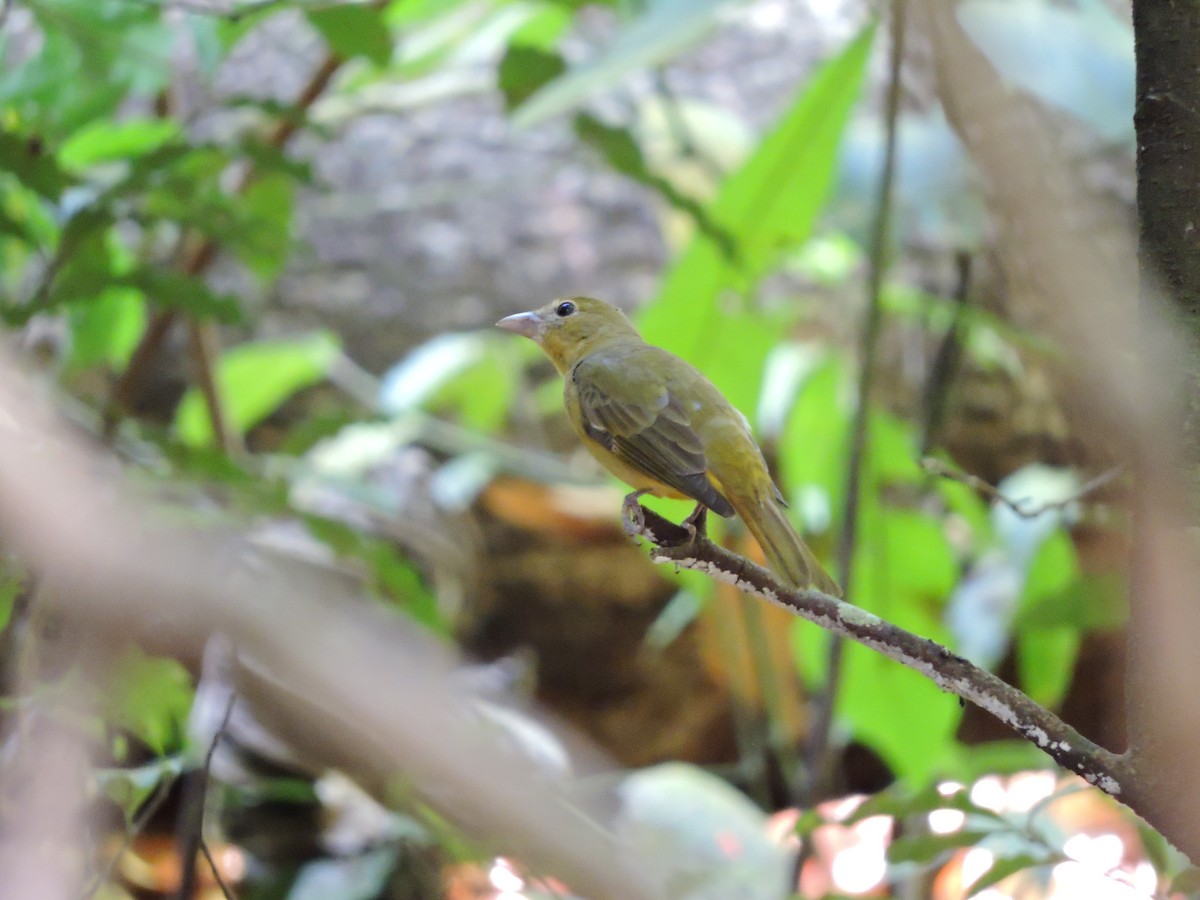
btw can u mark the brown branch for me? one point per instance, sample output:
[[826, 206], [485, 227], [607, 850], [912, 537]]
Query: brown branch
[[935, 466], [197, 260], [671, 543]]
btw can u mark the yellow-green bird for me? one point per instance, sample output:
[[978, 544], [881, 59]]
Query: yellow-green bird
[[660, 426]]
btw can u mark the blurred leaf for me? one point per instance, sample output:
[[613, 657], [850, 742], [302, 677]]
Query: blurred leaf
[[816, 433], [393, 577], [106, 141], [1089, 602], [130, 788], [360, 877], [1003, 867], [163, 287], [266, 232], [11, 585], [1054, 567], [353, 29], [680, 612], [926, 848], [1046, 663], [150, 697], [474, 374], [892, 445], [26, 158], [918, 556], [1046, 653], [621, 151], [767, 205], [106, 329], [523, 70], [665, 29], [254, 379]]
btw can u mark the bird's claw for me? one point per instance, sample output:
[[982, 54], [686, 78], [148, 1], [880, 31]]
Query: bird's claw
[[632, 517], [696, 523]]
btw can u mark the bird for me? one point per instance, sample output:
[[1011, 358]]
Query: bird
[[657, 423]]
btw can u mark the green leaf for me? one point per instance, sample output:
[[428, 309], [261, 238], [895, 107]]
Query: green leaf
[[665, 29], [768, 205], [150, 697], [26, 158], [166, 288], [265, 233], [926, 848], [353, 30], [106, 141], [918, 555], [130, 788], [1054, 568], [1090, 602], [523, 70], [106, 329], [621, 151], [1046, 662], [1004, 867], [11, 585], [254, 379]]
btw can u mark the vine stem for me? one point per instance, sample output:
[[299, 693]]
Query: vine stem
[[817, 751]]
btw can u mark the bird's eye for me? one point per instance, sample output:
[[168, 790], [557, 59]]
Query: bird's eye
[[564, 309]]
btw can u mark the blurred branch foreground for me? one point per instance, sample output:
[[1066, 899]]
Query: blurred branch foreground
[[381, 705]]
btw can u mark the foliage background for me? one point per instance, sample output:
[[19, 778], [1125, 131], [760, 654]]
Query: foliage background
[[324, 207]]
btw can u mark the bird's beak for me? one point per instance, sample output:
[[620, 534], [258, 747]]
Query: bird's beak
[[527, 324]]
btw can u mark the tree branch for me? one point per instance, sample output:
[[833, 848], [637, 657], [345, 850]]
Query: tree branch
[[671, 543]]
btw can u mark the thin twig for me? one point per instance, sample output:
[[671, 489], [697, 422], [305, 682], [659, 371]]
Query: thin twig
[[818, 743], [205, 348], [201, 255], [936, 467], [688, 549], [191, 824], [153, 803], [212, 865]]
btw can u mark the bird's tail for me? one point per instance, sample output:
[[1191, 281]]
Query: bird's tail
[[787, 555]]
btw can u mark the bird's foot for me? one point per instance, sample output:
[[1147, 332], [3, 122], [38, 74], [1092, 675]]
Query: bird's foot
[[632, 517], [696, 523]]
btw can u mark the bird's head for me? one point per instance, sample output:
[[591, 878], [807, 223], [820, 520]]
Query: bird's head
[[569, 329]]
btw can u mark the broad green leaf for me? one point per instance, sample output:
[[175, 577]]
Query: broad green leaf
[[815, 435], [106, 329], [1046, 662], [106, 141], [523, 70], [265, 236], [918, 556], [254, 379], [353, 29], [26, 158], [665, 29], [150, 697], [1089, 602], [164, 287], [1054, 567], [766, 206]]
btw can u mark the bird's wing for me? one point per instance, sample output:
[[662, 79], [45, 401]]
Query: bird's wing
[[629, 410]]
